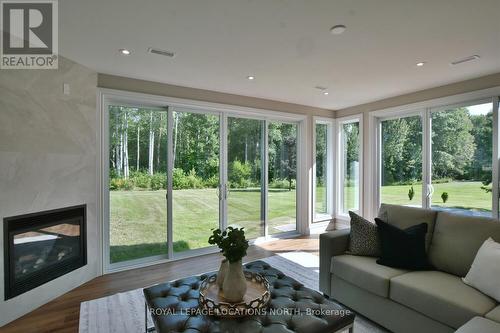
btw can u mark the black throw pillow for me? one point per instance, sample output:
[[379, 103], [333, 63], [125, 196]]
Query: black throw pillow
[[403, 248]]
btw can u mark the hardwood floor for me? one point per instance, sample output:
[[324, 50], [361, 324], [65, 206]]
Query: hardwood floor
[[61, 314]]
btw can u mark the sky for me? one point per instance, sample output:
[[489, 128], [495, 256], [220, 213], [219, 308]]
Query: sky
[[480, 109]]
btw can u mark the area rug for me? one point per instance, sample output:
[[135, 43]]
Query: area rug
[[125, 312]]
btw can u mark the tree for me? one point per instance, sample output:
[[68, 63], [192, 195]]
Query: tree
[[395, 135], [151, 143], [321, 153], [289, 163], [125, 145], [138, 156], [160, 132], [482, 131], [351, 144], [452, 143]]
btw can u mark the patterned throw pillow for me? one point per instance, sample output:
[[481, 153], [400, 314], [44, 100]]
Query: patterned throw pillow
[[364, 238]]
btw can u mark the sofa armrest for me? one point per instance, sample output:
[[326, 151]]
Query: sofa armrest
[[330, 244]]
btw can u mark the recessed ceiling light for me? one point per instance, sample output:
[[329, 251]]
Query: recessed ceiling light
[[124, 51], [325, 93], [338, 29], [251, 77], [420, 64]]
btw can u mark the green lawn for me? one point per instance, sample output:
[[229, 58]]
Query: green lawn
[[139, 218], [461, 195], [464, 195]]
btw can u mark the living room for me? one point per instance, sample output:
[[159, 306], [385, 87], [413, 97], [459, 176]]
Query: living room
[[320, 166]]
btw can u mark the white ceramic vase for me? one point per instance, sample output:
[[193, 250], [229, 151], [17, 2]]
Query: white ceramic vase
[[235, 284], [222, 272]]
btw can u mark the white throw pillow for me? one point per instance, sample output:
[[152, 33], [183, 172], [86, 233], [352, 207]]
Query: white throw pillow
[[485, 270]]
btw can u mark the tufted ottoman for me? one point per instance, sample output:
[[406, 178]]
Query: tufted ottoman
[[293, 308]]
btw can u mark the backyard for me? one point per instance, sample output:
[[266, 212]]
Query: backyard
[[139, 218], [466, 195]]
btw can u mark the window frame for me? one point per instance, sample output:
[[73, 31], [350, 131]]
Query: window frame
[[108, 97], [425, 108], [356, 118]]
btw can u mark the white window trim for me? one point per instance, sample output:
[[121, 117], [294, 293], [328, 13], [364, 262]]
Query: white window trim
[[330, 172], [357, 118], [107, 97], [373, 169]]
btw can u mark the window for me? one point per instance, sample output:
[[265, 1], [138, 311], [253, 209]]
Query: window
[[245, 177], [195, 178], [137, 183], [282, 177], [323, 180], [349, 170], [401, 161], [173, 173], [461, 155], [439, 157]]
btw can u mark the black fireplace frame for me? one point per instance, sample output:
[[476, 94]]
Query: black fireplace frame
[[21, 223]]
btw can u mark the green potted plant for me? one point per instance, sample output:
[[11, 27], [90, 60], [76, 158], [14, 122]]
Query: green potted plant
[[216, 239], [233, 245]]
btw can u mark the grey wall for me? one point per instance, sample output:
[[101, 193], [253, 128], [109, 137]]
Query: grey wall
[[163, 89], [457, 88], [48, 159]]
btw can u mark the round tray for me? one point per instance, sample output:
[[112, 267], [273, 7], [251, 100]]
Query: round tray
[[213, 302]]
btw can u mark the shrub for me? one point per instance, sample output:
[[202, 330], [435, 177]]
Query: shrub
[[239, 174], [193, 180], [212, 182], [179, 180], [141, 179], [444, 196], [411, 193], [282, 183], [120, 184], [158, 181]]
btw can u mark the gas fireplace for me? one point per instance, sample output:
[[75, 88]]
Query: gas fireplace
[[42, 246]]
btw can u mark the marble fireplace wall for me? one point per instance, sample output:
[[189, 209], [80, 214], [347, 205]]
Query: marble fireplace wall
[[48, 160]]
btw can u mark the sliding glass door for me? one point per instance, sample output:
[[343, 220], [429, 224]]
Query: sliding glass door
[[401, 160], [462, 150], [174, 174], [246, 196], [443, 158], [282, 177], [195, 178], [137, 181]]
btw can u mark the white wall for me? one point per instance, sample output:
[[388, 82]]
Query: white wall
[[48, 160]]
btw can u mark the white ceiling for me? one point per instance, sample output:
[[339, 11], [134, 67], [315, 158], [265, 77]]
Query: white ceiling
[[287, 45]]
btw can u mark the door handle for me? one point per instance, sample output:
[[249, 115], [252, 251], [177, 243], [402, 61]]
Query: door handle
[[217, 191], [226, 191], [430, 190]]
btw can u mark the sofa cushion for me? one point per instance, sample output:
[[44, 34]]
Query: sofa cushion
[[485, 270], [364, 239], [404, 217], [494, 314], [441, 296], [479, 325], [403, 248], [456, 240], [365, 273]]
